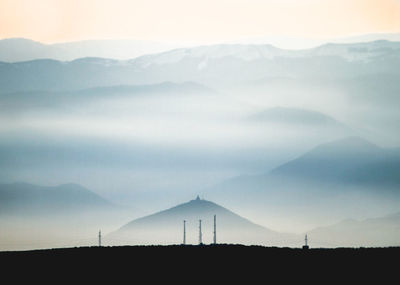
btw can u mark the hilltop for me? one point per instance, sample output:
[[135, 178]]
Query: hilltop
[[166, 227]]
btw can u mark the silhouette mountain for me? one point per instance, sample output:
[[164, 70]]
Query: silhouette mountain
[[166, 227]]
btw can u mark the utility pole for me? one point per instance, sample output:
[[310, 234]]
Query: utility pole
[[200, 235], [215, 229], [100, 238], [184, 232]]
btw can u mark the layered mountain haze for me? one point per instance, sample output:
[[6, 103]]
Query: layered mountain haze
[[209, 65], [293, 140]]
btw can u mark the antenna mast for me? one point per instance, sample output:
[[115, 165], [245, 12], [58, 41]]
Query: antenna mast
[[184, 232], [100, 238], [305, 246], [215, 229], [200, 234]]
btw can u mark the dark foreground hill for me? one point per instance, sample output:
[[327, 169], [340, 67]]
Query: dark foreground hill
[[191, 264]]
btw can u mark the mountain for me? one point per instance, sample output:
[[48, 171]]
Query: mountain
[[348, 161], [345, 178], [28, 199], [296, 43], [358, 51], [382, 231], [394, 37], [20, 49], [209, 65], [166, 227]]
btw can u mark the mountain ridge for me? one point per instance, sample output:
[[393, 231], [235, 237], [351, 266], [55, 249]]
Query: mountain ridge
[[25, 198], [204, 65]]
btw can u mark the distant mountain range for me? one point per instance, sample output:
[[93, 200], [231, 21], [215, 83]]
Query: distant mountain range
[[287, 42], [20, 49], [166, 227], [23, 199], [209, 65]]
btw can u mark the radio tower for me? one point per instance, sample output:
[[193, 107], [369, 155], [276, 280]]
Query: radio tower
[[305, 246], [184, 232], [200, 235], [99, 238], [215, 229]]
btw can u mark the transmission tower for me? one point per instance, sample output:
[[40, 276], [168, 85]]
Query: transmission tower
[[215, 229], [305, 246], [200, 234], [184, 232]]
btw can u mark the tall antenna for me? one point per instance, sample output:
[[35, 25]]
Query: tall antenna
[[184, 232], [305, 246], [200, 235], [100, 238], [215, 229]]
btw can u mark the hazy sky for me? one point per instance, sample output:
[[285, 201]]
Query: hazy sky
[[193, 20]]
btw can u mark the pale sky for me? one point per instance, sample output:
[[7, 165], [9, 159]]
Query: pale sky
[[194, 20]]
